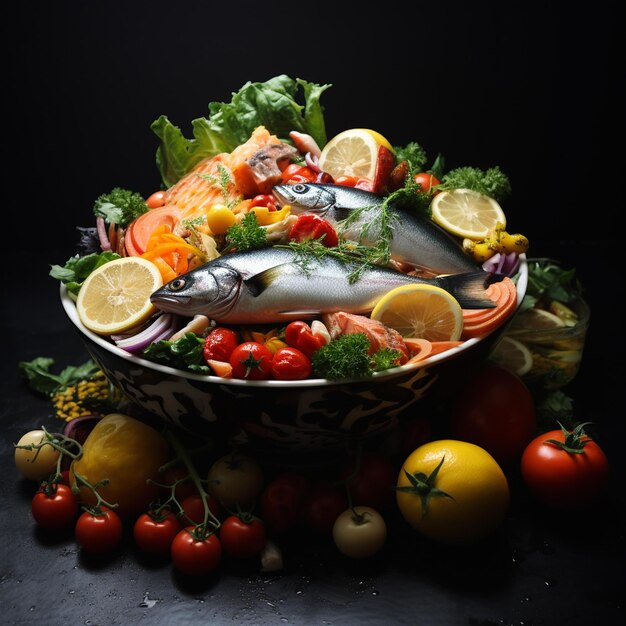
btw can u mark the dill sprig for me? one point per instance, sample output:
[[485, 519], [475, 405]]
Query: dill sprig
[[223, 182]]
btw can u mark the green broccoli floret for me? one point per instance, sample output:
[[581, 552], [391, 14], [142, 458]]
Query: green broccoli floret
[[120, 206], [347, 357]]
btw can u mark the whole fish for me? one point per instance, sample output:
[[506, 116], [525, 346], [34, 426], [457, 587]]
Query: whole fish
[[416, 240], [278, 284]]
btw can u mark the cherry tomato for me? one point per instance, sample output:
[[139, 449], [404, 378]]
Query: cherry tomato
[[220, 343], [264, 199], [311, 226], [370, 480], [99, 531], [321, 506], [495, 410], [299, 335], [54, 506], [195, 552], [234, 480], [39, 462], [565, 470], [281, 501], [359, 532], [295, 173], [291, 364], [242, 536], [156, 199], [154, 531], [193, 508], [347, 181], [427, 182], [251, 360]]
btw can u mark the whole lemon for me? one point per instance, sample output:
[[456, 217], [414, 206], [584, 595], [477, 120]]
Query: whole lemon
[[452, 491], [125, 452]]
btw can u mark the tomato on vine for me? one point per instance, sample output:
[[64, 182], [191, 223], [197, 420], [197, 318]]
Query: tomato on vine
[[195, 551], [251, 360], [54, 506], [155, 530], [281, 500], [99, 530], [242, 536], [565, 470]]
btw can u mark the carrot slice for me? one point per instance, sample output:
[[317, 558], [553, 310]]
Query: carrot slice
[[418, 348], [222, 369], [442, 346], [490, 319], [140, 230]]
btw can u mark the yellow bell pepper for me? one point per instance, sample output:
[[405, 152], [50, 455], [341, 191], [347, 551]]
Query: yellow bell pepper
[[125, 452], [264, 216]]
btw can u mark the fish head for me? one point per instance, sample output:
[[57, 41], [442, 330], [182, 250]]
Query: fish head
[[210, 291], [305, 197]]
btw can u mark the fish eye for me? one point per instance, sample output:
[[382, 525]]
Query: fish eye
[[177, 284], [299, 188]]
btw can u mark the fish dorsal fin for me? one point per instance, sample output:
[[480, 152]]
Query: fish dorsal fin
[[258, 283]]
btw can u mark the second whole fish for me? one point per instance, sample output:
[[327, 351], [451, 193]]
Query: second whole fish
[[416, 240], [277, 284]]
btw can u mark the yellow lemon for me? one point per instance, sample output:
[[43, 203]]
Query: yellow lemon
[[513, 355], [467, 213], [353, 152], [424, 311], [116, 296]]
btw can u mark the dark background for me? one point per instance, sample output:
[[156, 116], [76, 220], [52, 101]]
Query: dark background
[[531, 87]]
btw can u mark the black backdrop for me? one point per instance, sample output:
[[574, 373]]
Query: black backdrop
[[526, 86]]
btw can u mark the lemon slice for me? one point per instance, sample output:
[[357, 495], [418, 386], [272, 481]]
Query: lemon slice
[[116, 296], [353, 152], [422, 311], [467, 213], [536, 319], [513, 355]]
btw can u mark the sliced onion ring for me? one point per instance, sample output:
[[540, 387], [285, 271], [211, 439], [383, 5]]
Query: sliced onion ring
[[161, 328]]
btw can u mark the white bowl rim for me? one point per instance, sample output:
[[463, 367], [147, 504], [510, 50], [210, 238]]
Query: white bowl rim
[[70, 309]]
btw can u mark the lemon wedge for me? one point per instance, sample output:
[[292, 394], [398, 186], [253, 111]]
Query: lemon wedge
[[353, 152], [513, 355], [467, 213], [536, 319], [116, 296], [421, 311]]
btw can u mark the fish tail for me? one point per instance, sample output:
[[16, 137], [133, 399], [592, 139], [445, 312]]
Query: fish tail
[[469, 288]]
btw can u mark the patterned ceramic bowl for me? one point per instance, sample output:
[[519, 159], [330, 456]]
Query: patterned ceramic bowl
[[309, 414]]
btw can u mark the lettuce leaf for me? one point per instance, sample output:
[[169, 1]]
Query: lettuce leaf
[[77, 268], [271, 104]]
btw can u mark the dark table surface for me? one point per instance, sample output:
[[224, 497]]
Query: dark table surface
[[541, 568]]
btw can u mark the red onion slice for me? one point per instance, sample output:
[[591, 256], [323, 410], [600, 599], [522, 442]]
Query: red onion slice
[[159, 329], [105, 244]]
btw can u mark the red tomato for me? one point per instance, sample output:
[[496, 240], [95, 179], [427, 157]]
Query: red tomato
[[427, 182], [281, 501], [154, 532], [565, 470], [495, 410], [291, 364], [194, 552], [299, 335], [264, 199], [310, 226], [193, 508], [251, 360], [156, 200], [347, 181], [321, 506], [242, 537], [220, 343], [54, 506], [370, 480], [295, 173], [99, 532], [415, 432]]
